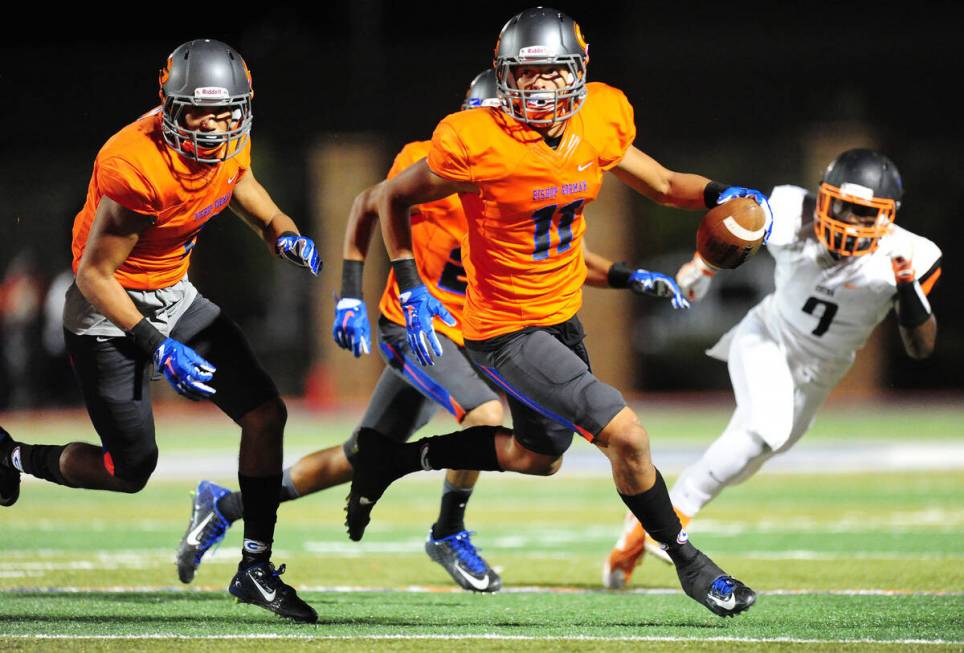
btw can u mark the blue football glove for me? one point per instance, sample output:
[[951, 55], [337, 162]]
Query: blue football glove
[[351, 330], [643, 282], [300, 250], [760, 198], [187, 372], [419, 307]]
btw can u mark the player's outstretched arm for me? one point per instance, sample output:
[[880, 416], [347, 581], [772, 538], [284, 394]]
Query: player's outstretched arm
[[682, 190], [603, 273], [648, 177], [394, 198], [252, 203], [915, 319]]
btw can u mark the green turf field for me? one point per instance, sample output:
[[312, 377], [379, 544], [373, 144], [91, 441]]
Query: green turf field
[[855, 561]]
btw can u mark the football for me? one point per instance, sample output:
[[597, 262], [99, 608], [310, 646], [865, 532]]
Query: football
[[731, 232]]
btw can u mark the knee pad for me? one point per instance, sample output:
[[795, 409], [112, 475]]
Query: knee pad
[[133, 467]]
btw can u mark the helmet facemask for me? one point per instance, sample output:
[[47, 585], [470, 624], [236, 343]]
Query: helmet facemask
[[542, 107], [850, 221], [207, 146]]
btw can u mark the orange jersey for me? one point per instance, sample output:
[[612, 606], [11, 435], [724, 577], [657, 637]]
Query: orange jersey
[[437, 231], [523, 254], [136, 169]]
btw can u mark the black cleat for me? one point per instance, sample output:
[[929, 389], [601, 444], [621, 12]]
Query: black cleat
[[706, 583], [261, 585], [375, 468], [9, 476]]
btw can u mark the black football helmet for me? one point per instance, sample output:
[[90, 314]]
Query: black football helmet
[[541, 36], [482, 91], [206, 73], [857, 202]]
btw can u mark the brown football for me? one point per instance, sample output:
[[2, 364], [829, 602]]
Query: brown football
[[731, 232]]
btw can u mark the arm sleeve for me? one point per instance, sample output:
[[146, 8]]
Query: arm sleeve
[[123, 183], [448, 156], [623, 123]]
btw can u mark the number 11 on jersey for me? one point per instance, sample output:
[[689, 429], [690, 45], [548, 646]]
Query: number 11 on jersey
[[543, 226]]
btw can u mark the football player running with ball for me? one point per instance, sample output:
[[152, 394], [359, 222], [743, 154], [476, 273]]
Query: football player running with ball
[[133, 313], [524, 172], [841, 266], [406, 395]]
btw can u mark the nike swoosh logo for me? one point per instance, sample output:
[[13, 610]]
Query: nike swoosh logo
[[479, 584], [193, 536], [267, 596], [728, 604], [102, 339], [365, 501], [231, 179], [584, 166]]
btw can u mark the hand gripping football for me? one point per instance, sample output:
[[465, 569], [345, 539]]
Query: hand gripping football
[[731, 232]]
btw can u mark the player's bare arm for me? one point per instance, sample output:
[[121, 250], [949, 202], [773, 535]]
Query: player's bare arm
[[597, 268], [112, 238], [361, 225], [252, 203], [648, 177], [395, 197]]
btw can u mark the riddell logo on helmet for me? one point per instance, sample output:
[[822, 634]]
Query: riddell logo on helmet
[[533, 51], [211, 92]]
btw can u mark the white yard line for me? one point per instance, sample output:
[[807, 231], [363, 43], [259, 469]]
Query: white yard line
[[448, 589]]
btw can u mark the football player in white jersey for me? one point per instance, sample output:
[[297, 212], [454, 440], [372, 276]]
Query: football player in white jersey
[[841, 266]]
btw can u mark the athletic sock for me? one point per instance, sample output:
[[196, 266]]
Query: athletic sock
[[231, 506], [472, 448], [40, 460], [655, 512], [451, 517], [260, 498]]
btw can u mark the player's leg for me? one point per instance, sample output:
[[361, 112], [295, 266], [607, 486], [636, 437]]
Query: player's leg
[[114, 377], [247, 394], [764, 389]]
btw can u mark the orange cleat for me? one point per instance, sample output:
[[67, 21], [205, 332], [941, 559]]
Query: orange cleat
[[629, 550]]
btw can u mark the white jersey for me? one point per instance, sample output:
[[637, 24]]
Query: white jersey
[[825, 308]]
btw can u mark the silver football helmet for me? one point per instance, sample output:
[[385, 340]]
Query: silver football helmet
[[541, 36], [482, 91], [206, 73]]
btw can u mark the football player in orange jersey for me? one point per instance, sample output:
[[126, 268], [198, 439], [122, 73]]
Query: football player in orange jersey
[[155, 184], [524, 174]]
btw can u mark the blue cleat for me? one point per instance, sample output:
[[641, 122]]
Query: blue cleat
[[206, 529], [459, 557]]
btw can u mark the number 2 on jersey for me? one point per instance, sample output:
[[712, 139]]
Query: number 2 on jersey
[[543, 227], [829, 310]]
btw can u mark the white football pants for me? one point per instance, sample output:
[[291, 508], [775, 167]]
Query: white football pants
[[774, 408]]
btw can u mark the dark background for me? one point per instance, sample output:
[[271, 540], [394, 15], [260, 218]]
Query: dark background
[[730, 90]]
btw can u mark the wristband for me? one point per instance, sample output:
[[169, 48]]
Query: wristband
[[913, 309], [712, 192], [618, 275], [406, 274], [351, 278], [146, 336]]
